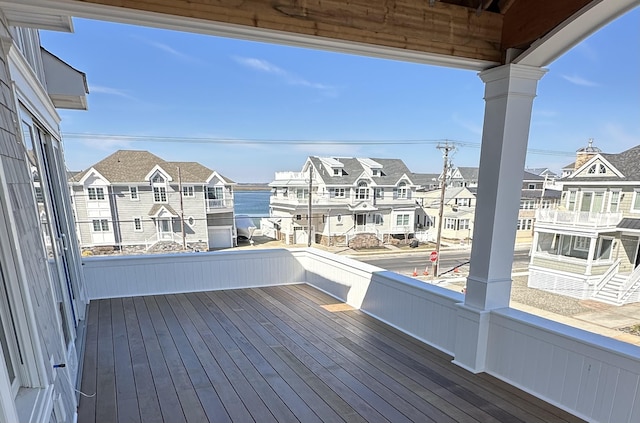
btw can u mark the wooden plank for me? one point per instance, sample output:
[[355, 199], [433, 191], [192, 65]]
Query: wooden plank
[[423, 388], [490, 388], [126, 398], [268, 346], [87, 405], [165, 391], [230, 338], [408, 24], [247, 342], [527, 21], [244, 389], [197, 375], [187, 394], [232, 402], [106, 409], [148, 402]]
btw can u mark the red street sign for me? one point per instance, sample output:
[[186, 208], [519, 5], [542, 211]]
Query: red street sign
[[434, 256]]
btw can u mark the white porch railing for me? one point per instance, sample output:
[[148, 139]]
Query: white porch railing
[[577, 218], [630, 286], [607, 276], [565, 366], [224, 203]]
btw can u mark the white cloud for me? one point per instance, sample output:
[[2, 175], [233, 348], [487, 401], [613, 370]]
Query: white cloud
[[103, 143], [578, 80], [99, 89], [172, 51], [288, 77]]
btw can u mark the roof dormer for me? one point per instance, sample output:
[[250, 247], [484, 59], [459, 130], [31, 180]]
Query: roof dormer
[[372, 167]]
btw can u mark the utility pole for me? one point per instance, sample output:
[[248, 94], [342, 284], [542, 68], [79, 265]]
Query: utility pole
[[184, 236], [309, 211], [445, 148]]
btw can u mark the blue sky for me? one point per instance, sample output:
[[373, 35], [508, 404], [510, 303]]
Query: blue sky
[[149, 84]]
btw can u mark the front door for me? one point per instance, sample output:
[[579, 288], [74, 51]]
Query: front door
[[164, 230], [361, 222]]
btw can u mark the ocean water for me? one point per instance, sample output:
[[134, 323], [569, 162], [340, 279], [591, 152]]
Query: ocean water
[[252, 203]]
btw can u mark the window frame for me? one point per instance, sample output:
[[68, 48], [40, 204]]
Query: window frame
[[97, 195], [188, 191], [634, 199], [362, 191], [401, 218], [610, 203], [137, 220], [134, 193], [580, 239]]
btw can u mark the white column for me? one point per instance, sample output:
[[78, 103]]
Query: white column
[[509, 94], [592, 250]]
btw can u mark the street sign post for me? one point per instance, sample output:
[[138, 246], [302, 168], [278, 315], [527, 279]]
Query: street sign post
[[433, 256]]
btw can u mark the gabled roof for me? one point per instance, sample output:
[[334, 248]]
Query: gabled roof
[[130, 166], [570, 166], [425, 179], [469, 173], [352, 170], [528, 176], [626, 163], [541, 171]]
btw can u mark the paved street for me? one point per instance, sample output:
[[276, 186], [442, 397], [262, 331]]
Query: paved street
[[405, 263]]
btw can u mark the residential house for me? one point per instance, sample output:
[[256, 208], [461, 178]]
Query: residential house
[[589, 246], [535, 195], [140, 334], [42, 285], [134, 200], [550, 177], [457, 213], [462, 176], [354, 201]]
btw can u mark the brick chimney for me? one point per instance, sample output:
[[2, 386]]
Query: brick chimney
[[585, 153]]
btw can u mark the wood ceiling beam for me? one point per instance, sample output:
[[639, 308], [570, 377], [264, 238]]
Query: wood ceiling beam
[[526, 21], [412, 25]]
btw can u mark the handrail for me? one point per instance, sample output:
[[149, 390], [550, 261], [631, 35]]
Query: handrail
[[607, 276], [626, 288]]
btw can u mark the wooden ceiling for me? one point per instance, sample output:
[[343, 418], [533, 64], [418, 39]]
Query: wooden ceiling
[[480, 32]]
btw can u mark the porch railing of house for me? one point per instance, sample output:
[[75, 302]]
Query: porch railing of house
[[578, 218], [564, 366], [223, 203], [607, 276], [630, 286]]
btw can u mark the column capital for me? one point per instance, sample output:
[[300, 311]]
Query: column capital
[[512, 71]]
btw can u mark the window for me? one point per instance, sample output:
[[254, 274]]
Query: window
[[602, 169], [100, 225], [402, 191], [635, 204], [159, 194], [302, 193], [336, 172], [604, 248], [527, 204], [375, 172], [571, 200], [524, 224], [581, 243], [592, 201], [187, 191], [137, 224], [597, 168], [377, 219], [463, 224], [450, 223], [378, 193], [614, 201], [133, 193], [362, 193], [465, 202], [191, 221], [96, 193], [531, 186], [337, 192], [402, 220]]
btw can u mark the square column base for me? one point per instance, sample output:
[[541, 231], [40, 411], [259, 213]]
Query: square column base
[[472, 334]]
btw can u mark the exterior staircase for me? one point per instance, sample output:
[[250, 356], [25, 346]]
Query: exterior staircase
[[611, 290]]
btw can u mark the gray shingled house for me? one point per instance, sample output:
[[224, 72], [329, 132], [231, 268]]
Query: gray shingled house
[[356, 201], [134, 200], [589, 247]]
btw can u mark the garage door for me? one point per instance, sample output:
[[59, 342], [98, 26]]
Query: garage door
[[220, 237]]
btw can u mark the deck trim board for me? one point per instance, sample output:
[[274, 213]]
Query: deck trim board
[[275, 354], [492, 389]]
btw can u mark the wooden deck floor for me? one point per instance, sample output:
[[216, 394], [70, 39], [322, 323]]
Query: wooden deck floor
[[278, 354]]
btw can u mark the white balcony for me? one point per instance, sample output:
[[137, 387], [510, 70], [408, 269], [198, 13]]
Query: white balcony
[[562, 365], [577, 218], [217, 204]]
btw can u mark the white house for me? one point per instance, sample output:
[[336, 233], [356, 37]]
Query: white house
[[589, 246], [135, 200], [354, 201]]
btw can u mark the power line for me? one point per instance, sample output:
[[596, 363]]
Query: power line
[[276, 141]]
